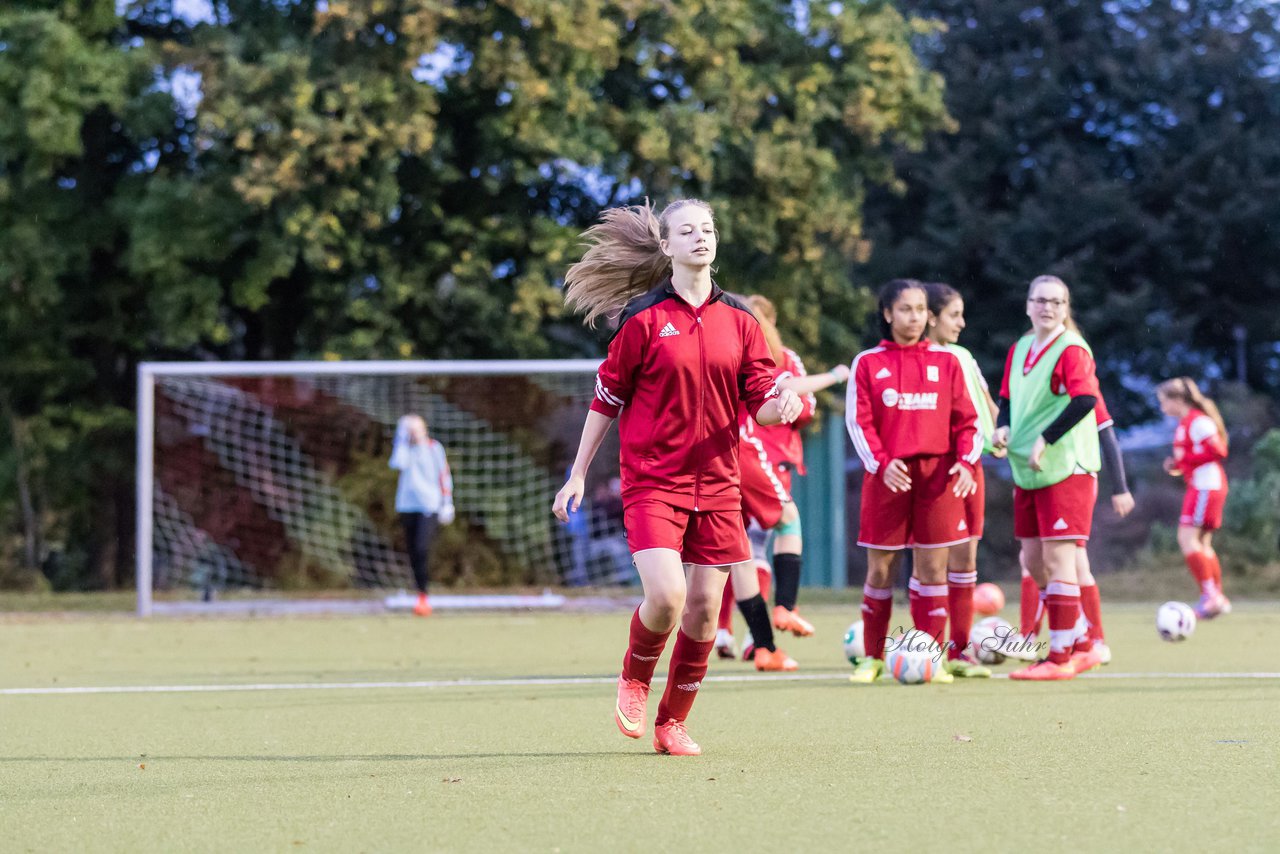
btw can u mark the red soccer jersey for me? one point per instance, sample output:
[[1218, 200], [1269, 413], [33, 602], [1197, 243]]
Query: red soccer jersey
[[782, 442], [1102, 415], [1199, 447], [673, 378], [906, 402], [1073, 375]]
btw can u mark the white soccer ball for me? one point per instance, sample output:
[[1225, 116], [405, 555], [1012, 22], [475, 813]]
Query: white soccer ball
[[855, 649], [913, 658], [987, 637], [1175, 621]]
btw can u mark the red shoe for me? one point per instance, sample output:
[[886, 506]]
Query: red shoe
[[774, 661], [628, 713], [423, 607], [1083, 662], [1044, 671], [673, 739], [785, 620]]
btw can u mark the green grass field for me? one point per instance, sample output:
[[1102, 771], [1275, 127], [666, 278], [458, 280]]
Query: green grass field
[[1108, 762]]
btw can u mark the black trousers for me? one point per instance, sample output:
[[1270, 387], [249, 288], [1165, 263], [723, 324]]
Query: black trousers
[[419, 533]]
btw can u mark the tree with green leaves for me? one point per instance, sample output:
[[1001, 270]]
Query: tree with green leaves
[[395, 178], [1133, 149]]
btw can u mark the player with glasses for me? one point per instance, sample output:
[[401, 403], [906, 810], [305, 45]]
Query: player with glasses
[[1046, 421]]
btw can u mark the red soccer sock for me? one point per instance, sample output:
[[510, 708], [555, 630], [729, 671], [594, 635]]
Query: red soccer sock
[[684, 678], [960, 586], [1202, 571], [1215, 569], [643, 650], [1091, 604], [765, 577], [1083, 640], [1029, 606], [929, 608], [1063, 605], [726, 608], [877, 608]]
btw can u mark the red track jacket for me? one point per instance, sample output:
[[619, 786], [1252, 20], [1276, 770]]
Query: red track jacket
[[906, 402], [673, 378]]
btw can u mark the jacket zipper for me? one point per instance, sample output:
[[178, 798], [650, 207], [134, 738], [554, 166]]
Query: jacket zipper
[[702, 399]]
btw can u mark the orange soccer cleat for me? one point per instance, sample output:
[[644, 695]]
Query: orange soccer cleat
[[777, 660], [1083, 662], [673, 739], [628, 713], [1044, 671], [423, 606], [786, 620]]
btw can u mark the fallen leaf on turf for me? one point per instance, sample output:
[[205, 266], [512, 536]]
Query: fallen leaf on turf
[[709, 779], [963, 737], [142, 766], [451, 780]]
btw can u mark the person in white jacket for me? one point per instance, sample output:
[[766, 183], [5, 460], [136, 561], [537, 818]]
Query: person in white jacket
[[424, 496]]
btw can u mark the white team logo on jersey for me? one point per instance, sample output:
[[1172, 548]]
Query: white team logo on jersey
[[668, 330], [884, 372], [909, 400], [931, 373]]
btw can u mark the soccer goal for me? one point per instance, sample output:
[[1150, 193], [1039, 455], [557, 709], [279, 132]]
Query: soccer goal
[[274, 476]]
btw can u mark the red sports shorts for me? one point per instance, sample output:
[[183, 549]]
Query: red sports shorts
[[1202, 508], [766, 486], [975, 506], [927, 516], [1063, 511], [706, 538]]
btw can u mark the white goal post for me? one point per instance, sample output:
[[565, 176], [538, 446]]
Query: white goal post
[[274, 475]]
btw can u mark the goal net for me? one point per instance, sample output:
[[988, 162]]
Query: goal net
[[275, 476]]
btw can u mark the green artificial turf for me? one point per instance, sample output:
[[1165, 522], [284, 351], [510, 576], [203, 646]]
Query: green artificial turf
[[1101, 763]]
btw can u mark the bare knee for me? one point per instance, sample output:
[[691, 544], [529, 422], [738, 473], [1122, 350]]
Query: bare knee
[[663, 608]]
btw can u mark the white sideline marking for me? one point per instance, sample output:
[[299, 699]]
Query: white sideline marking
[[439, 684]]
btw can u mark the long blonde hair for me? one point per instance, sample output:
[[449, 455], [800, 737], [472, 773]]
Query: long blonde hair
[[1186, 390], [624, 258], [1070, 321], [764, 311]]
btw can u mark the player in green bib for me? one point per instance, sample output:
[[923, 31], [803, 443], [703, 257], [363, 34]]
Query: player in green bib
[[946, 321], [1046, 423]]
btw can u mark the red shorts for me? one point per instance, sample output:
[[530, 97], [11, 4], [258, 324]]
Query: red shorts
[[927, 516], [1063, 511], [1202, 508], [975, 506], [766, 486], [708, 538]]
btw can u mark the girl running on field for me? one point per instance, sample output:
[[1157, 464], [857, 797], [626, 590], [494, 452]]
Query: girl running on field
[[917, 432], [1199, 447], [682, 359]]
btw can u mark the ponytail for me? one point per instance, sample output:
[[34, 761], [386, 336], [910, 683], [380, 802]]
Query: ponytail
[[1186, 390], [624, 259], [764, 311]]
